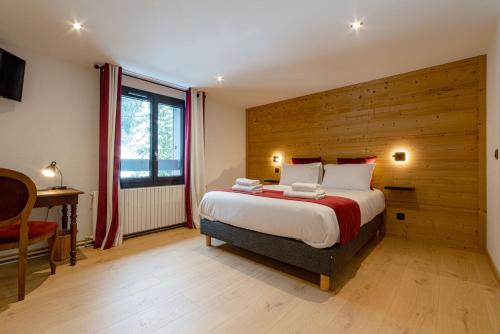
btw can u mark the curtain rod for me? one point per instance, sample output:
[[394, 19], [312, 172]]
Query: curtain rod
[[148, 79]]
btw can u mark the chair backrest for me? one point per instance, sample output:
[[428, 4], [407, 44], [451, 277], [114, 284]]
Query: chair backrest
[[17, 197]]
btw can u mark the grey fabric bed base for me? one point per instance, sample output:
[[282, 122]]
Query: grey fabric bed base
[[323, 261]]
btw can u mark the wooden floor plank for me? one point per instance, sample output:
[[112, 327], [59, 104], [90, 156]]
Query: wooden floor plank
[[367, 307], [415, 306], [170, 282], [462, 308]]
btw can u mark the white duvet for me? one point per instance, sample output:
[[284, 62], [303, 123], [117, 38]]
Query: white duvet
[[314, 224]]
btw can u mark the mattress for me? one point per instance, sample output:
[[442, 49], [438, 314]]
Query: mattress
[[312, 223]]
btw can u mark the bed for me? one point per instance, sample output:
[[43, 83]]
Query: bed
[[275, 228]]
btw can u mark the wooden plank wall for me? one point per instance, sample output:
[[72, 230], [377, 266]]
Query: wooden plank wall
[[436, 114]]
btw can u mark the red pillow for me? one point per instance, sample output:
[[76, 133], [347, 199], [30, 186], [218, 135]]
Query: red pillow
[[367, 160], [301, 161]]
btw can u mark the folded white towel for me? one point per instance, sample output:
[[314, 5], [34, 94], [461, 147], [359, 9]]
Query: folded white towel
[[302, 186], [249, 189], [247, 182], [305, 194]]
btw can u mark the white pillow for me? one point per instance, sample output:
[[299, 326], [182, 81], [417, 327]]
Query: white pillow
[[348, 176], [320, 170], [308, 173]]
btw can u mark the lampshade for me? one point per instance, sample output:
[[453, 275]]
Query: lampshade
[[51, 170]]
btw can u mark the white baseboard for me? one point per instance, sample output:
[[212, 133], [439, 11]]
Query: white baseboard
[[5, 259]]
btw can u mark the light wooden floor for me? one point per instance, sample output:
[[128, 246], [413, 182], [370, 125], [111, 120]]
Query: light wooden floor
[[171, 283]]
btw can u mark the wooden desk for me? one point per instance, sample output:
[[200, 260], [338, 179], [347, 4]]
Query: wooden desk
[[49, 198]]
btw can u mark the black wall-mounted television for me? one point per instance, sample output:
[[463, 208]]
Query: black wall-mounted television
[[11, 75]]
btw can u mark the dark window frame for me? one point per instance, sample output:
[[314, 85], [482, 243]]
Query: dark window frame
[[154, 180]]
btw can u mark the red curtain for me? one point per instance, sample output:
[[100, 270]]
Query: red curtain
[[187, 160], [109, 166]]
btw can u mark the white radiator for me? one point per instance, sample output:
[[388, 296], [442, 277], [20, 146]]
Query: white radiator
[[143, 209]]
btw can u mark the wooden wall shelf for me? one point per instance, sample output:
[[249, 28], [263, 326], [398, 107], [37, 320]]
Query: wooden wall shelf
[[399, 188]]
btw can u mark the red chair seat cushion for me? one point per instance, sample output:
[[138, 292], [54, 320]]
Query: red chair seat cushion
[[36, 230]]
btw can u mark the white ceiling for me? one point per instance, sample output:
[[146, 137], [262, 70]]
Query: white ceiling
[[267, 50]]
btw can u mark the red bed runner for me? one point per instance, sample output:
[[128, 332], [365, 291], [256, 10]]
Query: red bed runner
[[347, 211]]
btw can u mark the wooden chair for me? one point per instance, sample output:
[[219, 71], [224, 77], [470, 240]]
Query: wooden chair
[[17, 197]]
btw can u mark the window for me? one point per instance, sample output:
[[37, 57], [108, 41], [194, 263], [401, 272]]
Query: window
[[152, 145]]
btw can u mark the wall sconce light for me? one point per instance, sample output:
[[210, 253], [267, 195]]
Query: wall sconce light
[[51, 170], [276, 159], [399, 156]]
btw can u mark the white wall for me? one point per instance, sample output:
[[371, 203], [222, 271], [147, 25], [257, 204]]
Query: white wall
[[58, 119], [493, 130], [225, 142]]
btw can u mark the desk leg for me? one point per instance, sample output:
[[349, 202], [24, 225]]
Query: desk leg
[[64, 217], [73, 235]]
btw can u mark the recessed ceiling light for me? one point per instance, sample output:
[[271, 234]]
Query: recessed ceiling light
[[77, 26], [356, 25], [220, 78]]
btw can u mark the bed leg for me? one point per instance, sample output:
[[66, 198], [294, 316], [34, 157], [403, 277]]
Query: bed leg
[[324, 282], [381, 232], [384, 225], [208, 240]]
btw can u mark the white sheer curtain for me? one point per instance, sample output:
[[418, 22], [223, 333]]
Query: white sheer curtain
[[197, 161]]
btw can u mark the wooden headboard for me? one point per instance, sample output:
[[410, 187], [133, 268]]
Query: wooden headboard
[[436, 114]]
